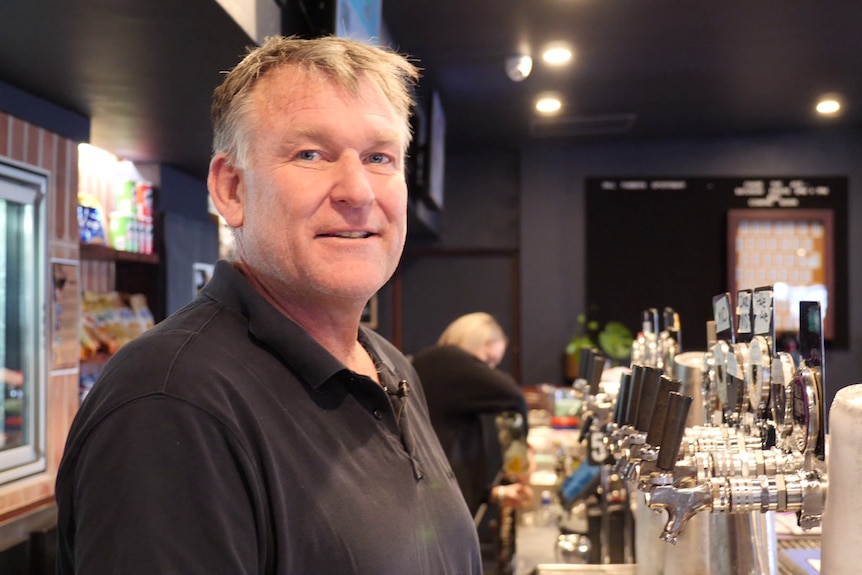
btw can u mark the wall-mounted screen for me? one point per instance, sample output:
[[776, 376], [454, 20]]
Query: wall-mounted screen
[[359, 20], [356, 19], [436, 152]]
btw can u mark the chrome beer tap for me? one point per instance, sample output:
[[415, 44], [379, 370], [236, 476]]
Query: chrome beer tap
[[669, 340], [659, 490], [751, 478], [645, 347]]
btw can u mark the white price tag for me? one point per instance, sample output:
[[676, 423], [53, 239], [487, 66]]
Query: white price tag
[[743, 311], [762, 312], [721, 311]]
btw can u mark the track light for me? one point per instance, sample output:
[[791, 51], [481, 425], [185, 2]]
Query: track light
[[519, 67]]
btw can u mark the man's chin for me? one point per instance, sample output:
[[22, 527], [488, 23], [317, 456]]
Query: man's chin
[[355, 293]]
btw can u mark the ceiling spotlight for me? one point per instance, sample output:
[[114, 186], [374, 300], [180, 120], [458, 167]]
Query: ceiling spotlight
[[828, 107], [548, 105], [557, 55], [519, 67]]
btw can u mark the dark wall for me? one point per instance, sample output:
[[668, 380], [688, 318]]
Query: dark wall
[[190, 234], [554, 220], [472, 265], [189, 241]]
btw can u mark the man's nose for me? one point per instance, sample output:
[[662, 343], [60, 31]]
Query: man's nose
[[352, 185]]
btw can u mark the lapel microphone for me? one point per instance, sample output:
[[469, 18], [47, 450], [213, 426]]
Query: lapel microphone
[[403, 389]]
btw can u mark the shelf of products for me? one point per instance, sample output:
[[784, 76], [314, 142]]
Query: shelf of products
[[100, 252]]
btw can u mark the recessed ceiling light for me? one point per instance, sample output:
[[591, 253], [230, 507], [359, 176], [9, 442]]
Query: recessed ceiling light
[[557, 54], [548, 105], [828, 106]]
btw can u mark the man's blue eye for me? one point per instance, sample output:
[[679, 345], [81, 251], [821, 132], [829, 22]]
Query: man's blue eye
[[378, 158], [308, 155]]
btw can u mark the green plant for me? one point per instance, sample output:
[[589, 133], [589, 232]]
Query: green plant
[[614, 339]]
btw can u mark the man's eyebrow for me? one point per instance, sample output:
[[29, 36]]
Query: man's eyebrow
[[388, 138], [314, 135], [304, 133]]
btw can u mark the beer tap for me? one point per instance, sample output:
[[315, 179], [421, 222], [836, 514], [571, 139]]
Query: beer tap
[[585, 478], [722, 352], [641, 433], [742, 349], [759, 369], [754, 479], [797, 491], [645, 347], [669, 340], [640, 396], [801, 491], [781, 398], [657, 422], [808, 434], [597, 414], [731, 358], [681, 503], [709, 380]]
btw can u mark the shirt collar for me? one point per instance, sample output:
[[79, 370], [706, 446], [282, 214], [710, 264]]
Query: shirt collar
[[283, 337]]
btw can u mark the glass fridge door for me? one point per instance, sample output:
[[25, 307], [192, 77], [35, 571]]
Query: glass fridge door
[[23, 325]]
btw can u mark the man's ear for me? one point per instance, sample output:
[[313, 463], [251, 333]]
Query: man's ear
[[226, 190]]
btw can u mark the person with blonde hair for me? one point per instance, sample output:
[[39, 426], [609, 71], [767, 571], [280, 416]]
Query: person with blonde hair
[[464, 390], [479, 334], [261, 430]]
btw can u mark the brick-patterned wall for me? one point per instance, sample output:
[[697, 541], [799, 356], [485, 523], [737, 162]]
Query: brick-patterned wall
[[28, 144]]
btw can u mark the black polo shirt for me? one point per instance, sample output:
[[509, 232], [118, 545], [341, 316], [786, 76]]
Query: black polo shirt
[[226, 440]]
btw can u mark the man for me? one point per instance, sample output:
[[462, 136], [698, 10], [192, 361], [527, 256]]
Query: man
[[260, 429]]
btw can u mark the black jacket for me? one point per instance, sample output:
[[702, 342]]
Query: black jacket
[[462, 392]]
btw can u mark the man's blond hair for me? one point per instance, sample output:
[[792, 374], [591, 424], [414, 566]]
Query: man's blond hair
[[342, 60]]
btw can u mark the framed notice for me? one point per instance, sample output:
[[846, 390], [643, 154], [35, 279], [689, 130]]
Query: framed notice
[[791, 250]]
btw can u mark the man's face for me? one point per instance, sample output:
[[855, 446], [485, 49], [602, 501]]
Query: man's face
[[324, 194]]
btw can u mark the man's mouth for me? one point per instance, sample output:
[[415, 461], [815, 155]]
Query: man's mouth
[[348, 235]]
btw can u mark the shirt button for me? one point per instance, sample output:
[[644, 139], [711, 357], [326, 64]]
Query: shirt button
[[378, 413]]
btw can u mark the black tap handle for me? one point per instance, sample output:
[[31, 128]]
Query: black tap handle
[[659, 414], [594, 377], [585, 359], [671, 323], [586, 427], [649, 392], [622, 398], [678, 406], [634, 395]]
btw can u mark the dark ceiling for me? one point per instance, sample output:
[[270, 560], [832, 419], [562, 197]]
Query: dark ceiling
[[143, 71], [657, 67]]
